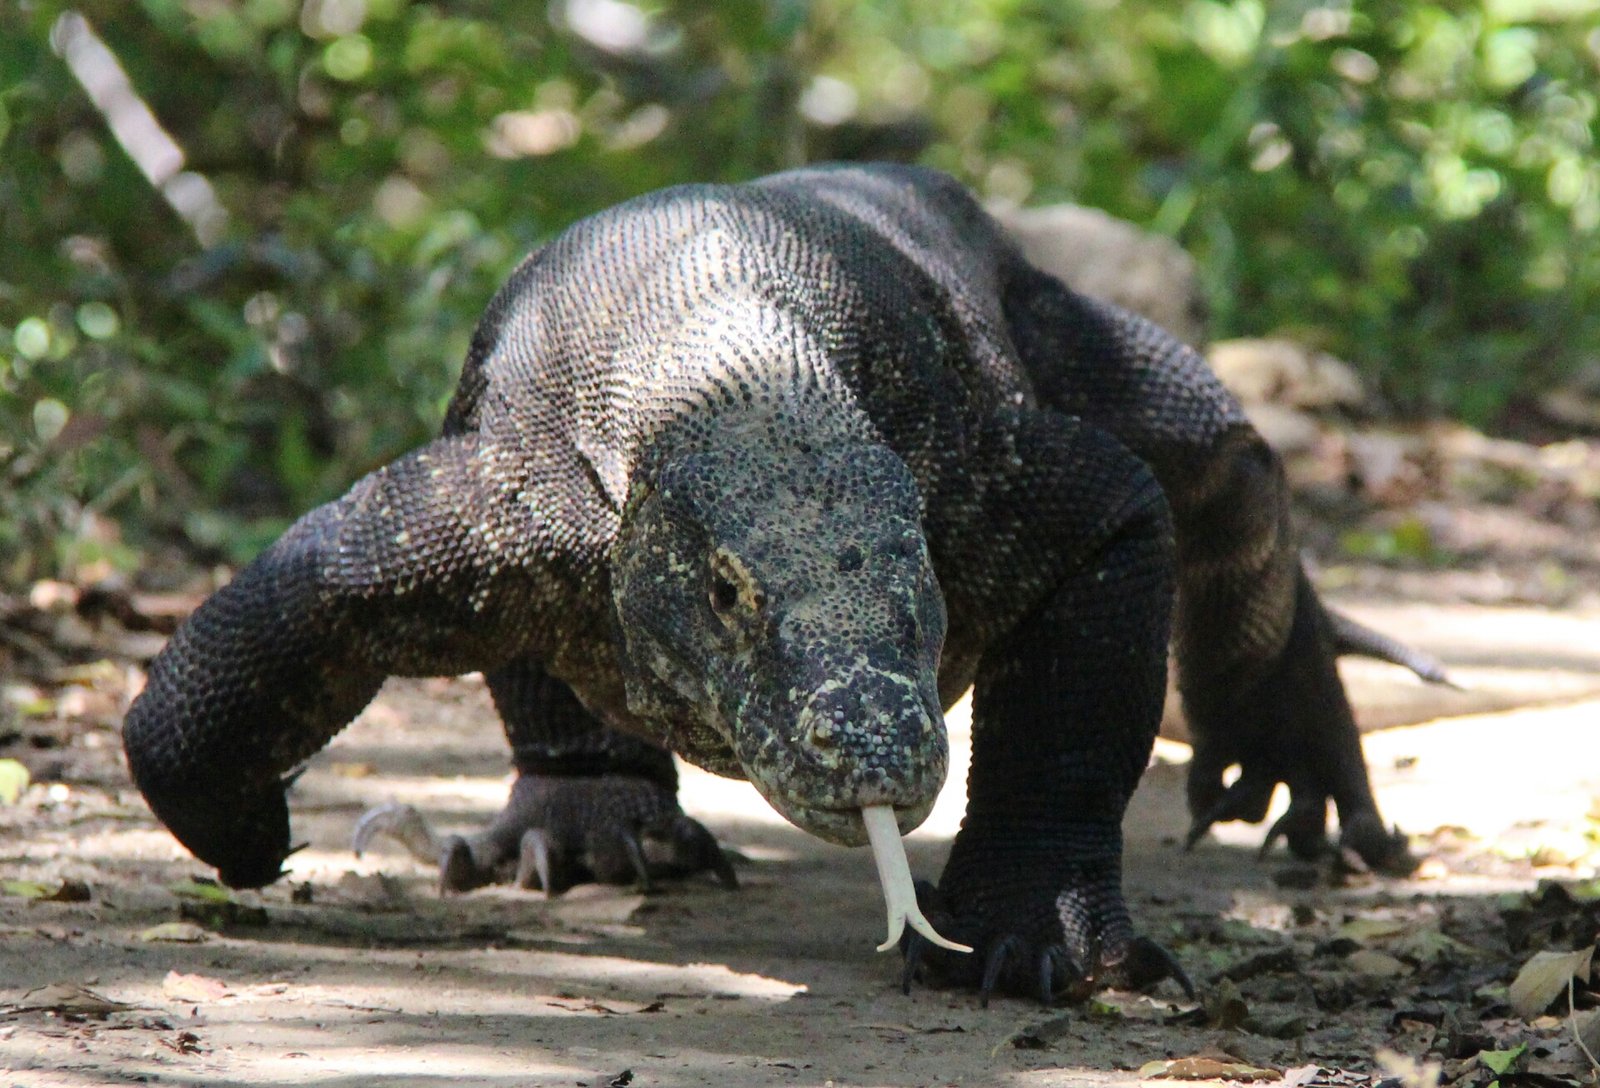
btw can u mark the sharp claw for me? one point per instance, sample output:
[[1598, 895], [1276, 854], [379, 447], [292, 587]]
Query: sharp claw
[[630, 843], [1244, 800], [1384, 849], [1221, 812], [1147, 963], [1177, 974], [1047, 978], [1216, 814], [914, 945], [533, 861], [1278, 830], [1086, 974], [404, 823], [1158, 963], [700, 850], [1091, 973], [993, 964], [722, 869], [458, 872], [1197, 831]]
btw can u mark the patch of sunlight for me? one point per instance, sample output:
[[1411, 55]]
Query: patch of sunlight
[[382, 1063], [1171, 751], [534, 971], [945, 819], [470, 795], [1489, 772]]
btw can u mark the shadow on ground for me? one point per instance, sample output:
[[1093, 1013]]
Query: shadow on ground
[[375, 980]]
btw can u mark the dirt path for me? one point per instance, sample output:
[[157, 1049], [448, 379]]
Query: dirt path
[[354, 973]]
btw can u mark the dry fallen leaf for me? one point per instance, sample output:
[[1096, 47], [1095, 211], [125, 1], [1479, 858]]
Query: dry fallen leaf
[[66, 998], [181, 932], [1428, 946], [193, 988], [1298, 1075], [1366, 961], [1201, 1067], [1367, 930], [1544, 977], [376, 890]]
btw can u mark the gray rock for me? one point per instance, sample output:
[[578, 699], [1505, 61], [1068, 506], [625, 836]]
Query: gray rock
[[1289, 431], [1283, 372], [1109, 259], [1575, 404]]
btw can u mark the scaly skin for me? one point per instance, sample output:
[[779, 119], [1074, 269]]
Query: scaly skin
[[768, 475]]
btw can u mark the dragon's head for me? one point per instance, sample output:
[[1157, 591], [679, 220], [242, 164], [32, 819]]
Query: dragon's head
[[778, 610]]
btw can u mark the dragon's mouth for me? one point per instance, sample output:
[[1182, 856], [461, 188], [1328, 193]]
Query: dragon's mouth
[[826, 801], [879, 826], [860, 809], [837, 818]]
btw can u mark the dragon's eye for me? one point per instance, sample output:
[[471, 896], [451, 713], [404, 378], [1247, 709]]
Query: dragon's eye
[[731, 591], [724, 595]]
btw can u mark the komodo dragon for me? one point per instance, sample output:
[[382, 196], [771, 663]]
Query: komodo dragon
[[768, 475]]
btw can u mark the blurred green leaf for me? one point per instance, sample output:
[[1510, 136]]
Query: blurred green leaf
[[205, 890], [14, 779], [25, 889], [1413, 188], [1501, 1062]]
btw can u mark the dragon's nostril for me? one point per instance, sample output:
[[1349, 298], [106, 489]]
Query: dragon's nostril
[[821, 733]]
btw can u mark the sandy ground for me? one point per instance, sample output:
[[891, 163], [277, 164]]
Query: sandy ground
[[356, 973]]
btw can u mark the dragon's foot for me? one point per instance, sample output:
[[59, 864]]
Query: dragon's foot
[[1287, 721], [1055, 940], [559, 831], [1364, 839]]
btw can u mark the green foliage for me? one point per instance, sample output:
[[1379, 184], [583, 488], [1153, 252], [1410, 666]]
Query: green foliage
[[199, 357], [1414, 187]]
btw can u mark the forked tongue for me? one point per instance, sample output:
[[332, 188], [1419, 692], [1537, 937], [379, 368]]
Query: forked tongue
[[899, 895]]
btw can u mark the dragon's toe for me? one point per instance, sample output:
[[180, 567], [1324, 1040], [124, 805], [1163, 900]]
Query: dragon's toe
[[556, 832], [1029, 952], [1383, 849]]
